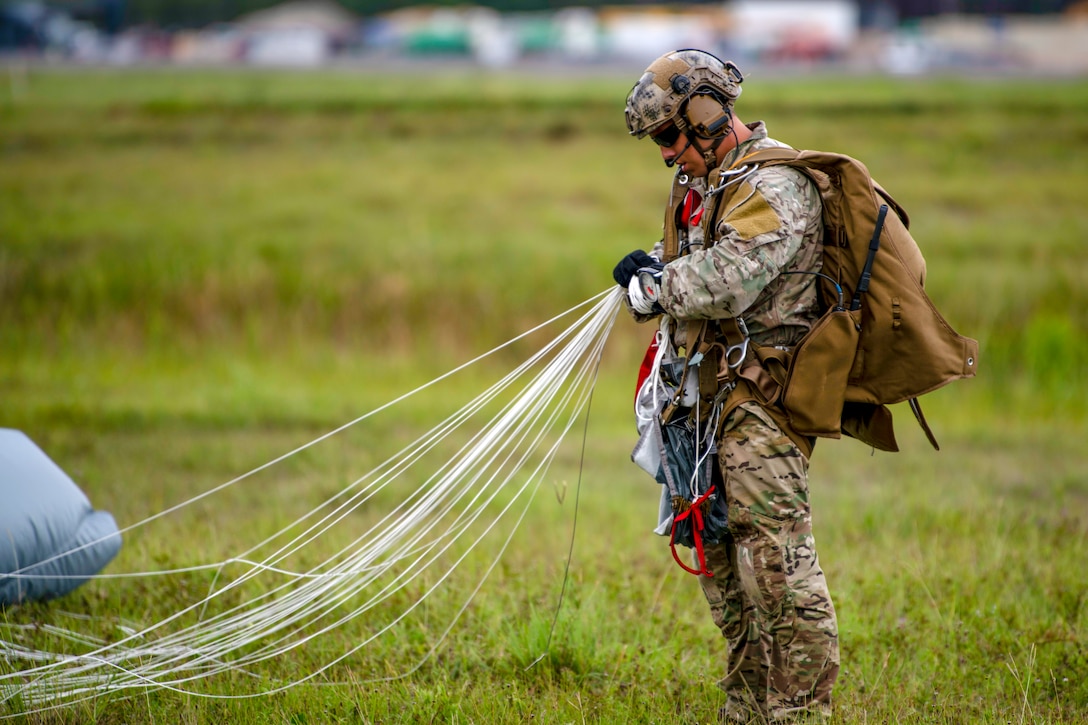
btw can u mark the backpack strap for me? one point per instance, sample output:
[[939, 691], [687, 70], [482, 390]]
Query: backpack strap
[[768, 155], [746, 392], [916, 408], [751, 373]]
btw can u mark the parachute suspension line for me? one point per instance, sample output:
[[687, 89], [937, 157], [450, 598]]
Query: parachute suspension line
[[490, 480], [422, 445], [574, 522], [587, 398], [604, 295]]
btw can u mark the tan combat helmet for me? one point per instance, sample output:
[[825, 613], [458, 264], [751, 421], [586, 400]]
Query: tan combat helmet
[[690, 88]]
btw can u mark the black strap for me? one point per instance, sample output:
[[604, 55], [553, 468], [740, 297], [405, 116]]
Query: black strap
[[916, 408], [866, 271]]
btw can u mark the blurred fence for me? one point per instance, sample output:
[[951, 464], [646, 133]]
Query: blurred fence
[[790, 34]]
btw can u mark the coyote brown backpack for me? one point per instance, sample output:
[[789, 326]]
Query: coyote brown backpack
[[873, 347]]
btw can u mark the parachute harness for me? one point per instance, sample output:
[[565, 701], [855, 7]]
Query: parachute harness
[[678, 426]]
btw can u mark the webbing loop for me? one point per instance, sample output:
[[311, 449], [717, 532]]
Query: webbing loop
[[696, 513]]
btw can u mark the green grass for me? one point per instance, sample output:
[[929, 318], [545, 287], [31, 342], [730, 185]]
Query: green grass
[[200, 271]]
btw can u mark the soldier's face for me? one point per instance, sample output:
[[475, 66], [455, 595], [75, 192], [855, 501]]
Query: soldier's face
[[675, 148]]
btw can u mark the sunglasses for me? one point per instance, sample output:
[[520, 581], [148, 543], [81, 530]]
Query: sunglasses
[[666, 136]]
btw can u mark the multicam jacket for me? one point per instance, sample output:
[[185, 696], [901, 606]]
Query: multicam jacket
[[769, 225]]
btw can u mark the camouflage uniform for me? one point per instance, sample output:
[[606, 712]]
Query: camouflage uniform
[[768, 594]]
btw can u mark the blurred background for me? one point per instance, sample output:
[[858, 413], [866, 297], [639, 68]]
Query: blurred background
[[228, 226], [893, 36]]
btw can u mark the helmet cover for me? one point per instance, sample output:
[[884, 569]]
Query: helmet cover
[[665, 91]]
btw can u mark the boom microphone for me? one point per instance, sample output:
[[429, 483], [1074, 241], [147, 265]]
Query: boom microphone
[[672, 162]]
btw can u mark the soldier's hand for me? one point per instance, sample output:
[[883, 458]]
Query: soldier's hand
[[629, 266], [644, 289]]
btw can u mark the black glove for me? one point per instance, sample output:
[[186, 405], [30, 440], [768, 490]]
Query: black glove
[[631, 264]]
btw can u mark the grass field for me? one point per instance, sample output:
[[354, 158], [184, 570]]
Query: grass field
[[200, 271]]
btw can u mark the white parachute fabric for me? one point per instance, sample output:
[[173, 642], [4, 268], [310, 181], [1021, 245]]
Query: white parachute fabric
[[440, 518]]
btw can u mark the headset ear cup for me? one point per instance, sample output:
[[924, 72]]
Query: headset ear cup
[[707, 116]]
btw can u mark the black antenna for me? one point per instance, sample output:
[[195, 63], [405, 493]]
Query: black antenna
[[866, 271]]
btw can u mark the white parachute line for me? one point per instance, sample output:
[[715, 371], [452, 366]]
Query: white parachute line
[[443, 430], [336, 624], [479, 402], [157, 648], [424, 444], [325, 436], [94, 686], [419, 601], [488, 395], [468, 410], [509, 444], [347, 573], [580, 406], [298, 608]]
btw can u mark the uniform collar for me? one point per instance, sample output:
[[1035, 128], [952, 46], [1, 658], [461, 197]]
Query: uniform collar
[[752, 143]]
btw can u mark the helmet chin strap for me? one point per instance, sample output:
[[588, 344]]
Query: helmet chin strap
[[711, 154]]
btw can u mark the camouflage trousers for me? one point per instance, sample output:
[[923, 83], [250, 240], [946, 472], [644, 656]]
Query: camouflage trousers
[[768, 594]]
